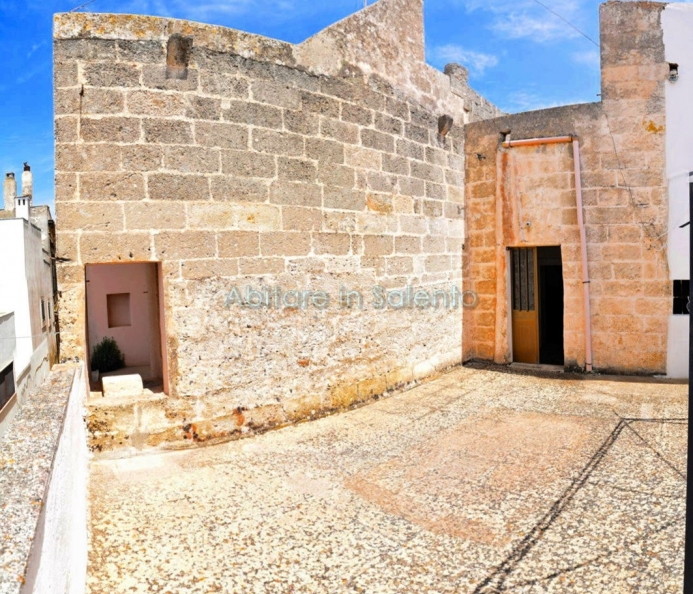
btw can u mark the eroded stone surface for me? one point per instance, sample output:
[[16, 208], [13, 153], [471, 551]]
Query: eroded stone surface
[[261, 168]]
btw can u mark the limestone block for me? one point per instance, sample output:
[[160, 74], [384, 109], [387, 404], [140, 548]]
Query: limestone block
[[356, 114], [155, 103], [341, 131], [301, 122], [257, 114], [101, 101], [142, 157], [167, 186], [66, 128], [299, 170], [296, 218], [279, 143], [215, 134], [167, 131], [192, 159], [143, 51], [378, 140], [111, 186], [105, 74], [294, 193], [284, 244], [120, 386], [86, 157], [327, 151], [247, 164]]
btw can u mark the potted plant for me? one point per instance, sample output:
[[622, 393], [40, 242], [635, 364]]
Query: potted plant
[[106, 357]]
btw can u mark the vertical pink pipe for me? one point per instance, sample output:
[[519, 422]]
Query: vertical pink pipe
[[583, 253]]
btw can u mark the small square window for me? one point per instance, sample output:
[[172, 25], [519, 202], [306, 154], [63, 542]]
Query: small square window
[[682, 297], [118, 305]]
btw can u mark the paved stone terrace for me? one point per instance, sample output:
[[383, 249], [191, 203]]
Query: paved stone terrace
[[480, 481]]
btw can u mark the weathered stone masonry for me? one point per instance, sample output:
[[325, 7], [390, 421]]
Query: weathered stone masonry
[[260, 163], [622, 141]]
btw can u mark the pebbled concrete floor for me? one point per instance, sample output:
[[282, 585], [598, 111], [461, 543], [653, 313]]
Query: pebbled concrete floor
[[480, 481]]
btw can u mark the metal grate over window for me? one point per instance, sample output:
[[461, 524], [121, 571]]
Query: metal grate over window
[[523, 279], [682, 297]]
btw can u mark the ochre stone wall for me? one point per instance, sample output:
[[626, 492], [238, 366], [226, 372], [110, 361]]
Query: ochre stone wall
[[625, 206], [253, 171]]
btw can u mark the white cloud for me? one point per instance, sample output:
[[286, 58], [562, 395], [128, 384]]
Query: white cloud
[[520, 19], [588, 58], [215, 9], [475, 62], [525, 25], [529, 101], [35, 47]]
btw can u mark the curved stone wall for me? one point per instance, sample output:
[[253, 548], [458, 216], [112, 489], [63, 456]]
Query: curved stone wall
[[233, 166]]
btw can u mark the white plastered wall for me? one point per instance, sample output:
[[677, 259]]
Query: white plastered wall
[[25, 280], [677, 23], [58, 561], [140, 341]]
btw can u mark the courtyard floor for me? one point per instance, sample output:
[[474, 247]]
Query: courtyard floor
[[480, 481]]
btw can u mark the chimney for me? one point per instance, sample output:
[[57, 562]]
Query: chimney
[[27, 181], [9, 191], [22, 207]]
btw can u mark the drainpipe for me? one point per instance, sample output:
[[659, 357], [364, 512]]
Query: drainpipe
[[583, 254], [533, 141], [581, 225]]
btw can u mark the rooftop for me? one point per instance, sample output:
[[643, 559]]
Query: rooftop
[[477, 482]]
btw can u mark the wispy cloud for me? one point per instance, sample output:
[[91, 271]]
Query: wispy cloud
[[525, 25], [476, 62], [588, 58], [529, 101], [525, 19], [214, 8], [201, 10], [35, 47], [30, 73]]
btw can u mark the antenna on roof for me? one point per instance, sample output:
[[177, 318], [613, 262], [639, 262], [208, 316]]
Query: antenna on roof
[[76, 8]]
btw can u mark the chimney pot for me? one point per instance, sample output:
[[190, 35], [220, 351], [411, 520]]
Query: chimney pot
[[9, 191], [27, 181]]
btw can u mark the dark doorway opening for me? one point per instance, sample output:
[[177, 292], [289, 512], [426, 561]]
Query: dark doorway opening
[[550, 305]]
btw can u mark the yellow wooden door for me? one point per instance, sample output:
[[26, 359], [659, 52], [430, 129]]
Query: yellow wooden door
[[525, 300]]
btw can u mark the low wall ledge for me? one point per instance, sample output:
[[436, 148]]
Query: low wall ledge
[[27, 451]]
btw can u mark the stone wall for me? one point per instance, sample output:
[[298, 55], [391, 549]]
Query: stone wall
[[622, 141], [388, 39], [253, 169]]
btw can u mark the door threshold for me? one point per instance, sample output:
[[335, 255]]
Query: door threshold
[[538, 367]]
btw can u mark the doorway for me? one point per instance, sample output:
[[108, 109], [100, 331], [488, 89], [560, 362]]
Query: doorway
[[537, 305], [124, 303]]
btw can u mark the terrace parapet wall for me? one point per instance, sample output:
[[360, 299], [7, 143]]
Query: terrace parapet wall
[[622, 143], [253, 168]]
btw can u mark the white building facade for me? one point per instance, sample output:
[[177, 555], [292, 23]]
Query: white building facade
[[28, 343]]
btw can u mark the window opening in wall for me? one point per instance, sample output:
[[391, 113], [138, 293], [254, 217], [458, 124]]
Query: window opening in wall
[[118, 307], [6, 384], [125, 302], [681, 291]]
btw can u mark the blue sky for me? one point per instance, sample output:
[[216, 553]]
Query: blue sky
[[520, 56]]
